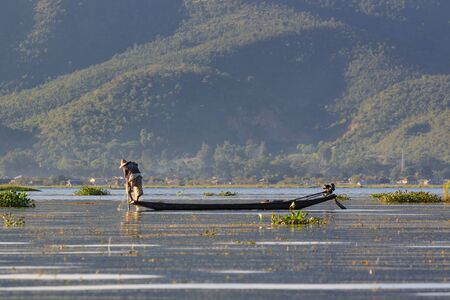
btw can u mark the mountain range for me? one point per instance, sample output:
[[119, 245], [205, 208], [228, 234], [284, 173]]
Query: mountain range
[[256, 89]]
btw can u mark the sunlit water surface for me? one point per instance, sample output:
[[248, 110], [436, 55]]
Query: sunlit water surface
[[85, 248]]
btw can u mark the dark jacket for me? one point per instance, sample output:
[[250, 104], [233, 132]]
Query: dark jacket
[[130, 168]]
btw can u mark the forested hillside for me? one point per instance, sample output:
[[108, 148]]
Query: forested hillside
[[243, 90]]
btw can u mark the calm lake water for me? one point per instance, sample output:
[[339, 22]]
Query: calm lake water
[[164, 194], [85, 248]]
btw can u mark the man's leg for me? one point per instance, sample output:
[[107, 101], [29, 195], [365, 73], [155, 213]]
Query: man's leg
[[129, 190], [137, 188]]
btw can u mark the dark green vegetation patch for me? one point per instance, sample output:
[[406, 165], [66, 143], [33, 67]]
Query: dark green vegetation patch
[[342, 197], [407, 197], [15, 199], [17, 188], [296, 218], [221, 194], [91, 191]]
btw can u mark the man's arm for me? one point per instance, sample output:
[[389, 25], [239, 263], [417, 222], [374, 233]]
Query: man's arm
[[127, 185]]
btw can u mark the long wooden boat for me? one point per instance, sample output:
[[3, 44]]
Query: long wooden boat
[[299, 203]]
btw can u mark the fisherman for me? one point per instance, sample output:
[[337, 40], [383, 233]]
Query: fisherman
[[133, 180]]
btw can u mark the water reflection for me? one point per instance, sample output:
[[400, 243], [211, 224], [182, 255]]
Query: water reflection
[[131, 224]]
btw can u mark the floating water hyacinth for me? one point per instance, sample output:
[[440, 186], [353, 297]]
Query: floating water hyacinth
[[10, 221], [407, 197], [91, 191], [296, 218], [221, 194], [15, 199], [17, 188], [342, 197]]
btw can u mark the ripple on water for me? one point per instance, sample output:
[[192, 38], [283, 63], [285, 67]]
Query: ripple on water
[[288, 243], [37, 267], [238, 286], [78, 276], [109, 245], [239, 271]]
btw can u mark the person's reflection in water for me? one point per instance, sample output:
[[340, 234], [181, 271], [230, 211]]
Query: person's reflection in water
[[131, 224]]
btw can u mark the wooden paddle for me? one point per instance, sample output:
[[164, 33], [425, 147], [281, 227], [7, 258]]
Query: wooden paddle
[[339, 204]]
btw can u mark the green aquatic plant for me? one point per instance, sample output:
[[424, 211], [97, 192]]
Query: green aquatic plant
[[342, 197], [17, 188], [446, 193], [407, 197], [209, 233], [221, 194], [91, 191], [296, 218], [15, 199], [10, 221], [248, 242], [227, 194]]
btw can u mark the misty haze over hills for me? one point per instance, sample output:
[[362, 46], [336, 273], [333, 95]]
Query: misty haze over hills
[[239, 89]]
